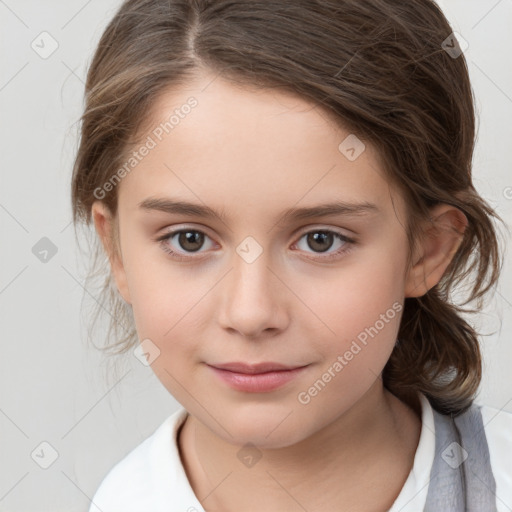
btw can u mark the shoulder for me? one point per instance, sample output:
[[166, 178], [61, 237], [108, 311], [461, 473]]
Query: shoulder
[[134, 480], [498, 432]]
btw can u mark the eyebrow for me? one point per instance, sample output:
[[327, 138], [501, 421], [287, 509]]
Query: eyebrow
[[338, 208]]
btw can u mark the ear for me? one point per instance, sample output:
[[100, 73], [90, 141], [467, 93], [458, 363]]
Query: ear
[[104, 224], [439, 242]]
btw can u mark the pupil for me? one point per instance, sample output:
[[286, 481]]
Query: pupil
[[319, 239]]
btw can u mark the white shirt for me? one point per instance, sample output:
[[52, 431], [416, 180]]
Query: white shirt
[[151, 478]]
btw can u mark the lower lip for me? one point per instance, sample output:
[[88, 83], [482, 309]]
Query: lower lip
[[259, 382]]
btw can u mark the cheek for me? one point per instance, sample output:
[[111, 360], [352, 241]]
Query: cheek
[[362, 306], [359, 293], [360, 309], [165, 312], [158, 287], [172, 307]]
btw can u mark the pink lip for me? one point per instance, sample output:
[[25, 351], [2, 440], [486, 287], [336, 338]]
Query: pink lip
[[253, 368], [260, 378]]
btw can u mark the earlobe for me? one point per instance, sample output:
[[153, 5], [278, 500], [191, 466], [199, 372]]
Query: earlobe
[[104, 224], [439, 243]]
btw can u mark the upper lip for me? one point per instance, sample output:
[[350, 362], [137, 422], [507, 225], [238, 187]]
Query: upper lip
[[254, 368]]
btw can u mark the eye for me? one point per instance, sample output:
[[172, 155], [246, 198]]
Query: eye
[[188, 240], [321, 240]]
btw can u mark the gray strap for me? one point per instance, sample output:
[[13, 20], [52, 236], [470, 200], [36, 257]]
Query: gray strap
[[446, 487], [480, 483], [461, 478]]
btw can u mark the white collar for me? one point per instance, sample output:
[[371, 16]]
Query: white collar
[[413, 495]]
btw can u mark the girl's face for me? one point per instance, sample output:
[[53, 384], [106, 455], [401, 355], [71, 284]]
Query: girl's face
[[259, 280]]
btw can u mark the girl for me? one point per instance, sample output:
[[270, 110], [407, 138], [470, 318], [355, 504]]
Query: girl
[[284, 193]]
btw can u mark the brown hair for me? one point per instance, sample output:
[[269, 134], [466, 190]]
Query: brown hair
[[380, 68]]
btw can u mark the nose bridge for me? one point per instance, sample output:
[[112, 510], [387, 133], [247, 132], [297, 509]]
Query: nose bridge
[[251, 262], [252, 302], [250, 279]]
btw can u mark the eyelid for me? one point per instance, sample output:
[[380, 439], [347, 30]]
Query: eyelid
[[175, 228], [323, 227]]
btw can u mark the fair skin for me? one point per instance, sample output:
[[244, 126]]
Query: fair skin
[[253, 154]]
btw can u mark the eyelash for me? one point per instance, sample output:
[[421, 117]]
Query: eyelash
[[347, 248]]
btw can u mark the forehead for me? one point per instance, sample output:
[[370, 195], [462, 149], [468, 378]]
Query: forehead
[[258, 149]]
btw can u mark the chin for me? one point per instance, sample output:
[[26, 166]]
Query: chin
[[265, 433]]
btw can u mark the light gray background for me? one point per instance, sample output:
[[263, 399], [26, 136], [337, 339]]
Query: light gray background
[[52, 386]]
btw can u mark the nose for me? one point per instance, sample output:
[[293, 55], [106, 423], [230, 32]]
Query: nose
[[253, 299]]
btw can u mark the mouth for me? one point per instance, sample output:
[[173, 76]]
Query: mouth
[[260, 378], [257, 368]]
